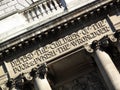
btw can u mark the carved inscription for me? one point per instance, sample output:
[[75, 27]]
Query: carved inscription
[[86, 35]]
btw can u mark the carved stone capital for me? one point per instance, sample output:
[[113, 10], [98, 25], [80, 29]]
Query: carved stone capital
[[17, 82], [11, 83], [20, 79], [40, 71], [117, 34], [95, 45], [104, 42]]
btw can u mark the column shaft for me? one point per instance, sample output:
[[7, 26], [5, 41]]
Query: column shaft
[[107, 69], [41, 84]]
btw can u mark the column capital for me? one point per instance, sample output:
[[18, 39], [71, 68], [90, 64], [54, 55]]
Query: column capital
[[117, 34], [40, 79], [104, 42], [95, 45], [40, 71], [17, 82], [11, 83]]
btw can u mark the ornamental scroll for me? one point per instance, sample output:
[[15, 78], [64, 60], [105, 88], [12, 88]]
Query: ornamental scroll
[[57, 48]]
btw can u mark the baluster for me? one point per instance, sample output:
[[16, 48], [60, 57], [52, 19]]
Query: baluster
[[44, 7], [40, 10], [59, 4], [48, 4], [35, 11], [26, 15], [53, 3], [30, 12]]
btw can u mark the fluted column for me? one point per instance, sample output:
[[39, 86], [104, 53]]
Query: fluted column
[[39, 79], [106, 67]]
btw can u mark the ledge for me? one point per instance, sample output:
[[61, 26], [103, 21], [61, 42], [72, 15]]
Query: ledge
[[51, 23]]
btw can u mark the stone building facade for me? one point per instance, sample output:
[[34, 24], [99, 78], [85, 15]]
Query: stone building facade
[[48, 45]]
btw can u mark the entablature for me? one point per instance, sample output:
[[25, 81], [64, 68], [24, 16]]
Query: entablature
[[39, 30]]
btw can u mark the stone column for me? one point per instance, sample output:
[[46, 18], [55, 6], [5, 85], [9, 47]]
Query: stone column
[[39, 78], [107, 68], [41, 84]]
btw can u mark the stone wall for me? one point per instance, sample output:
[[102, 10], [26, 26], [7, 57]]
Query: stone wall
[[7, 6], [10, 6]]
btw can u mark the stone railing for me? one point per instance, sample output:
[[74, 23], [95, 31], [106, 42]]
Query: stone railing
[[51, 15], [40, 8]]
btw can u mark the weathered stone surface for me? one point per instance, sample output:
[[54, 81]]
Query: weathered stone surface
[[91, 81]]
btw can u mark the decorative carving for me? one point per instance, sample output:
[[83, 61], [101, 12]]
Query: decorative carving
[[39, 71], [88, 48], [117, 34], [104, 42], [11, 83], [17, 82], [95, 44]]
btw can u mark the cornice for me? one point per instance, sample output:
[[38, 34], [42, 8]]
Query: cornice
[[38, 31]]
